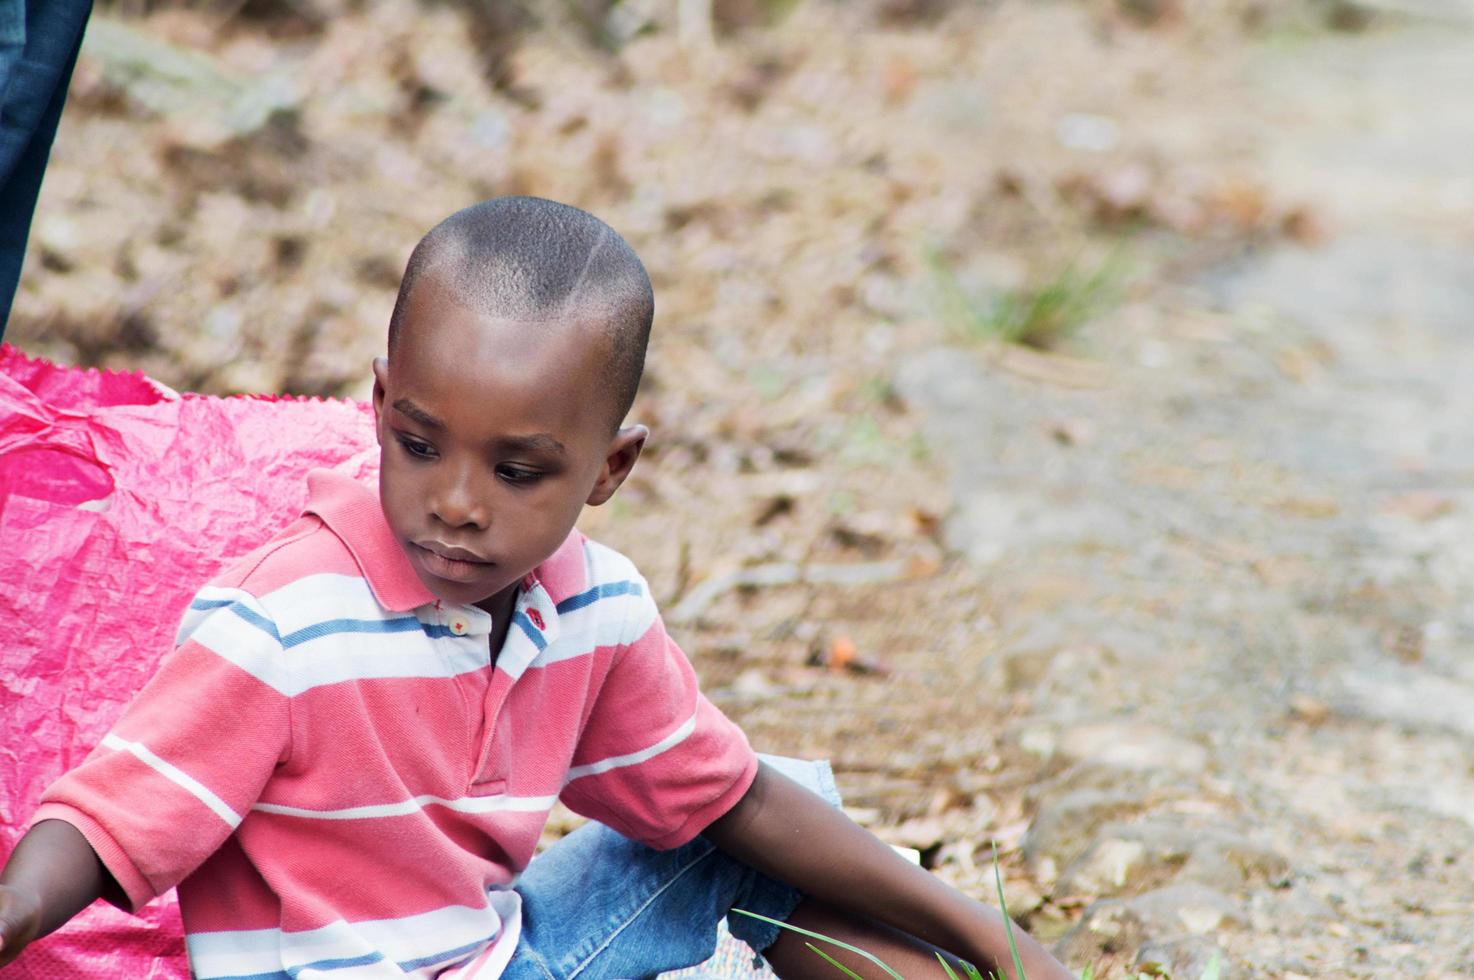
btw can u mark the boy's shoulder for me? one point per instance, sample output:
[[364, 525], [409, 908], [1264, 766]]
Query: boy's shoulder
[[583, 570], [305, 547], [331, 561]]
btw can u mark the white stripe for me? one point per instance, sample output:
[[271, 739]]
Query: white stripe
[[634, 758], [309, 600], [244, 644], [329, 659], [603, 564], [464, 804], [517, 653], [337, 657], [493, 962], [613, 621], [246, 952], [175, 775], [213, 595], [340, 657]]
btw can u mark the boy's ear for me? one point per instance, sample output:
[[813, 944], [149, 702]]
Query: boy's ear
[[381, 377], [624, 449]]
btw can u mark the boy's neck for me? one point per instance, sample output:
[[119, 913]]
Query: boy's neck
[[500, 607]]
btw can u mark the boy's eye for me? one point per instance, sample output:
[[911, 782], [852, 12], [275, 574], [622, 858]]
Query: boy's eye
[[417, 448], [518, 474]]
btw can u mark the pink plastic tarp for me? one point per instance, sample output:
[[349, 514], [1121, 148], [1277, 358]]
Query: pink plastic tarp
[[118, 499]]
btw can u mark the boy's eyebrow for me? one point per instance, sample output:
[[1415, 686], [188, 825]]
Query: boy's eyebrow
[[542, 442], [418, 414], [539, 442]]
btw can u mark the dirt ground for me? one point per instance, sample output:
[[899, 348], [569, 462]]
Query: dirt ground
[[1054, 405]]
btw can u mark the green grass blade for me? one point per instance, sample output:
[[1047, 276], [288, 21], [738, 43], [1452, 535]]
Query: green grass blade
[[973, 973], [823, 938], [1214, 967], [835, 963], [1018, 963]]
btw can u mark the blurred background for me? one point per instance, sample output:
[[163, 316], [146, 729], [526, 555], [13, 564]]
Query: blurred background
[[1059, 409]]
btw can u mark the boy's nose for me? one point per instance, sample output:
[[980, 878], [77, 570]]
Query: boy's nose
[[457, 504]]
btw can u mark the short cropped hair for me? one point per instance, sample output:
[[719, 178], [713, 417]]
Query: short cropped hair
[[531, 259]]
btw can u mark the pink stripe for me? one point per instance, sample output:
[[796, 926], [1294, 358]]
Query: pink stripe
[[653, 692], [416, 863], [391, 759], [667, 800], [227, 893], [538, 728]]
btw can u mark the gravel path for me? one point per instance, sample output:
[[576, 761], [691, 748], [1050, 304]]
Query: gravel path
[[1253, 684]]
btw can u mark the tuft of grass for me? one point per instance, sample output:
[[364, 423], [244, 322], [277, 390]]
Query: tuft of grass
[[1211, 972], [1018, 964], [1040, 316], [972, 972], [835, 963], [822, 938]]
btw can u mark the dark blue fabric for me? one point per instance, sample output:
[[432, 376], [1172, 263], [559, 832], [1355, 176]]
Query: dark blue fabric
[[597, 906], [39, 40]]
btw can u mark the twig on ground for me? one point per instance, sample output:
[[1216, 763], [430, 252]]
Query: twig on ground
[[695, 602]]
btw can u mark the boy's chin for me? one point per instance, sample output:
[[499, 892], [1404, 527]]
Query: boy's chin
[[464, 593]]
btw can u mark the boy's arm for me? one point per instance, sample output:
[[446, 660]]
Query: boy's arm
[[52, 874], [790, 834]]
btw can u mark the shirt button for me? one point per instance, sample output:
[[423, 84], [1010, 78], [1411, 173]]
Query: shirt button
[[458, 627]]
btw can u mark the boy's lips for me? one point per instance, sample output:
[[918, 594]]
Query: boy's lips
[[454, 564]]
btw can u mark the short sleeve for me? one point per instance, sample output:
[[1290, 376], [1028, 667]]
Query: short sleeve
[[657, 761], [178, 772]]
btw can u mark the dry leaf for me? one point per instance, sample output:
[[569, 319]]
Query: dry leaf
[[1310, 710]]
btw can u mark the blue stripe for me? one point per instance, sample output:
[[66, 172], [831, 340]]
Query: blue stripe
[[203, 604], [278, 975], [400, 624], [605, 591], [459, 951], [533, 633], [338, 964], [257, 620]]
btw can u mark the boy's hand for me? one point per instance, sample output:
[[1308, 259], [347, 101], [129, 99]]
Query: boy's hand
[[789, 833], [20, 920]]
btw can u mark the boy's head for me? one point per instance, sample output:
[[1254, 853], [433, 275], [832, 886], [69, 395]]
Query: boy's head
[[515, 349]]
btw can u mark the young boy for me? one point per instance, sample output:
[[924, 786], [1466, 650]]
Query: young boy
[[346, 763]]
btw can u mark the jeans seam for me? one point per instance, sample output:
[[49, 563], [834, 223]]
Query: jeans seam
[[636, 912]]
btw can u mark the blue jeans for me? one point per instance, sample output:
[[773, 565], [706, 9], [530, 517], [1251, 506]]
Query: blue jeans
[[597, 906], [39, 40]]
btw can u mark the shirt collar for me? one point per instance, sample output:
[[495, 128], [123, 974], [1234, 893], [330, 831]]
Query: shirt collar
[[352, 512]]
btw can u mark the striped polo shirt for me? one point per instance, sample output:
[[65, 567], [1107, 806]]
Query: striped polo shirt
[[342, 783]]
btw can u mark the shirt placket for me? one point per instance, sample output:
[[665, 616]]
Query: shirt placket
[[458, 627], [534, 625]]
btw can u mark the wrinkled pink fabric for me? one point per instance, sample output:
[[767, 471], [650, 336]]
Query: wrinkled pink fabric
[[118, 499]]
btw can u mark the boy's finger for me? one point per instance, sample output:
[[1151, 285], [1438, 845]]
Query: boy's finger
[[9, 928]]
